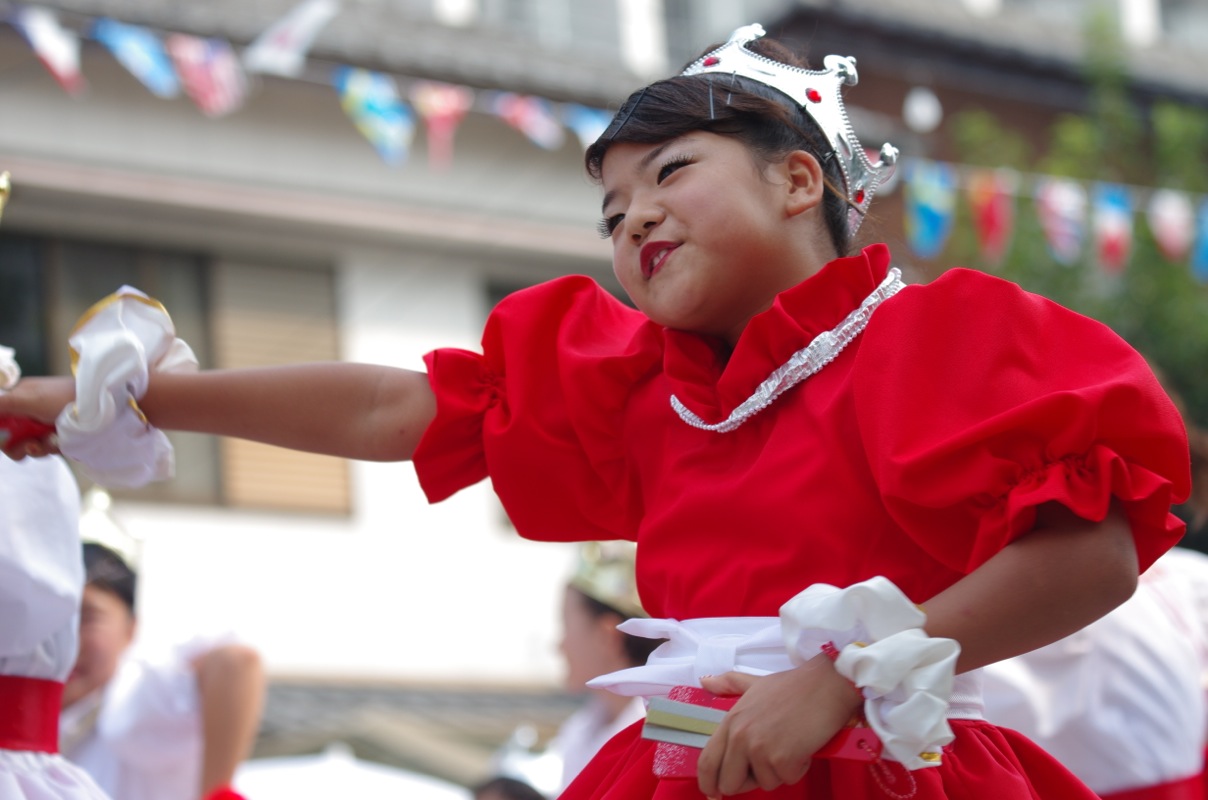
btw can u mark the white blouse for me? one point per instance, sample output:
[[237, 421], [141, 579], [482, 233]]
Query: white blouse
[[1122, 702], [41, 581]]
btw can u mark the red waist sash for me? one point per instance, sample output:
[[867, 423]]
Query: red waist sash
[[29, 714]]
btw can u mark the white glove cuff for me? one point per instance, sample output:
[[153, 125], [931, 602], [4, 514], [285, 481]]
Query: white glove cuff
[[115, 347], [905, 675]]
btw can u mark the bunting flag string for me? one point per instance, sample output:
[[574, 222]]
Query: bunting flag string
[[214, 77]]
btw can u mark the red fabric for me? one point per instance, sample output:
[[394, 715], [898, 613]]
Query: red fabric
[[224, 793], [983, 762], [1191, 788], [919, 452], [29, 714]]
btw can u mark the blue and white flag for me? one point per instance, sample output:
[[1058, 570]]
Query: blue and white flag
[[1199, 253], [371, 100], [141, 52], [281, 49], [930, 205], [587, 123]]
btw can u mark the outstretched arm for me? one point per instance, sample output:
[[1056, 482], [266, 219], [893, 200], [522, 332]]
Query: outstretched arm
[[360, 411], [1059, 577]]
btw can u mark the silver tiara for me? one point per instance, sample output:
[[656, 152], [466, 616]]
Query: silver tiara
[[818, 93]]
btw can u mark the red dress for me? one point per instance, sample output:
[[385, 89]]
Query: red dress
[[917, 454]]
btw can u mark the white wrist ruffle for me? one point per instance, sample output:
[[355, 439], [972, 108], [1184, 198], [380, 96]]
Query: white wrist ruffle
[[10, 372], [115, 347], [905, 675]]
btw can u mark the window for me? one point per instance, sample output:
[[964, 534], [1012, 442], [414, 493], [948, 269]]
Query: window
[[231, 315]]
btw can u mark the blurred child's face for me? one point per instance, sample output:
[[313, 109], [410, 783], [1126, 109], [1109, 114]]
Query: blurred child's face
[[589, 642], [106, 630], [698, 231]]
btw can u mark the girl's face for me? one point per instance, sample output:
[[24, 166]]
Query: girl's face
[[591, 644], [699, 230], [106, 630]]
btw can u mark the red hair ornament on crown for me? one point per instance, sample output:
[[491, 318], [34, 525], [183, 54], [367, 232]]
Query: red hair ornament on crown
[[818, 93]]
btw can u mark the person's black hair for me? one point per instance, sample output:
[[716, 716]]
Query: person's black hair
[[105, 569], [766, 120], [637, 648], [509, 788]]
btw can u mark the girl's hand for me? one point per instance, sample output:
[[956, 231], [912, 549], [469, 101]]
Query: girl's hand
[[41, 399], [767, 739]]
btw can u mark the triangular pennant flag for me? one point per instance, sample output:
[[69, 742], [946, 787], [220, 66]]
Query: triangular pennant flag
[[992, 200], [211, 73], [55, 46], [930, 203], [442, 106], [1172, 222], [587, 123], [1061, 206], [1113, 226], [140, 51], [1199, 255], [281, 49], [532, 116], [371, 101]]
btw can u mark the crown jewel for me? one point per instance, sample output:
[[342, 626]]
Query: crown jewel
[[818, 94]]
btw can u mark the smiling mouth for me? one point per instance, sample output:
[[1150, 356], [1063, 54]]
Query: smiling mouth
[[654, 256]]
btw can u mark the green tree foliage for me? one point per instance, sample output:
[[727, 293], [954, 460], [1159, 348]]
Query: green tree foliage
[[1157, 305]]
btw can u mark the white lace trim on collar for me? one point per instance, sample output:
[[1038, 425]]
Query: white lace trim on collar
[[802, 364]]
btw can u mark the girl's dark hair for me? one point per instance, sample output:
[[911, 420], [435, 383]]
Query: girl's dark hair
[[510, 788], [767, 121], [105, 569], [637, 648]]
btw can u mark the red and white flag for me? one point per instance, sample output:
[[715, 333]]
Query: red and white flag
[[532, 116], [1172, 221], [992, 201], [55, 46], [1061, 205], [1113, 226], [442, 106], [281, 49], [210, 72]]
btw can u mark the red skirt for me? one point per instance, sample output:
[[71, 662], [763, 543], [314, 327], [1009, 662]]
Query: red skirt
[[1187, 789], [983, 761]]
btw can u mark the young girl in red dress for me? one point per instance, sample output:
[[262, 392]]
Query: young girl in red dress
[[802, 448]]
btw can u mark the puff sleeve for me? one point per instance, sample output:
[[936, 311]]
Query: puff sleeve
[[542, 411], [978, 402]]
